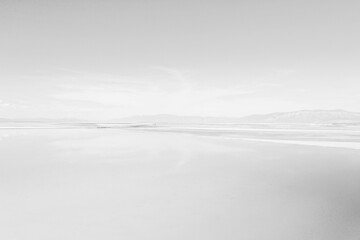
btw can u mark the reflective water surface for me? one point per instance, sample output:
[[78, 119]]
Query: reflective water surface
[[127, 184]]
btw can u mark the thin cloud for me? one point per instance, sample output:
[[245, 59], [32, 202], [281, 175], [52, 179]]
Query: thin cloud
[[6, 104], [148, 99]]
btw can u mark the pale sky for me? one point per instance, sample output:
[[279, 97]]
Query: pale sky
[[108, 59]]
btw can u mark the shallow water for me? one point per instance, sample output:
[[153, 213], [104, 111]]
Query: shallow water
[[127, 184]]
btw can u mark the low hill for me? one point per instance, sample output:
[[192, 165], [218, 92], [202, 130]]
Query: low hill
[[304, 117]]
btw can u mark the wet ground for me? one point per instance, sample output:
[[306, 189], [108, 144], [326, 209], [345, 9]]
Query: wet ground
[[174, 184]]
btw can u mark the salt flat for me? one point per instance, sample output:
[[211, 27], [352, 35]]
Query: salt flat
[[146, 184]]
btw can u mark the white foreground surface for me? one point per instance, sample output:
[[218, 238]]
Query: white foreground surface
[[121, 184]]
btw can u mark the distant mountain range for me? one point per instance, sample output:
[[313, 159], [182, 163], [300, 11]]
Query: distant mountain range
[[304, 116]]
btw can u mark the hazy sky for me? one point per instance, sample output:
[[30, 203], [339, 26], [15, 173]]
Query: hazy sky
[[108, 59]]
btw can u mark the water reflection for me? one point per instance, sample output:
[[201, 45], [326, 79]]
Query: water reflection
[[121, 184]]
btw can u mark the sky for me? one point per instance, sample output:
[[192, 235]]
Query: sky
[[108, 59]]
